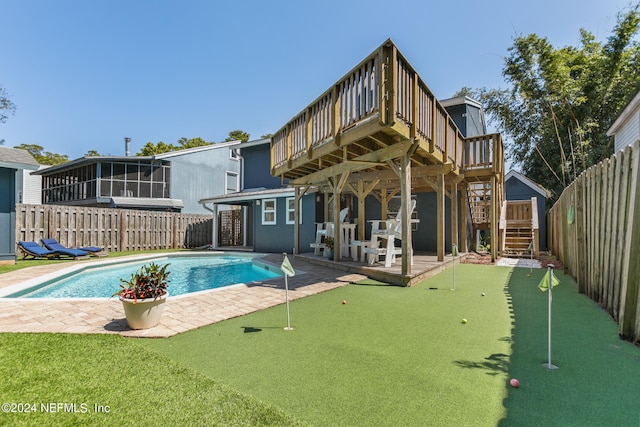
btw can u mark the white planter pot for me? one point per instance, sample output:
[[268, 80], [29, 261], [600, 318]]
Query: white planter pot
[[143, 313]]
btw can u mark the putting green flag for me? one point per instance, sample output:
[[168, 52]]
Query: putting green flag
[[544, 283], [454, 250], [287, 268], [571, 215]]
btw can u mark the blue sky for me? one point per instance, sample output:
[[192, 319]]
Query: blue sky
[[86, 74]]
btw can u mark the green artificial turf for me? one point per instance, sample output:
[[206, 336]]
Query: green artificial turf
[[60, 378], [389, 356], [598, 380]]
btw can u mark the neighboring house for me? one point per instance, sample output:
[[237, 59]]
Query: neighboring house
[[29, 187], [12, 162], [519, 187], [173, 181], [266, 205], [626, 129]]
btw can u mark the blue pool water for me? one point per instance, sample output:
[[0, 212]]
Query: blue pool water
[[188, 274]]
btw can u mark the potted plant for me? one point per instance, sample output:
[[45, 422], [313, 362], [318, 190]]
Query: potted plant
[[330, 242], [144, 294]]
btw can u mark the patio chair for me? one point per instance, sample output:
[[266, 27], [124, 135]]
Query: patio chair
[[34, 250], [392, 232], [74, 253], [324, 230], [92, 250]]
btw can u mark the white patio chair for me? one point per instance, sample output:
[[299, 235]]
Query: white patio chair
[[392, 232]]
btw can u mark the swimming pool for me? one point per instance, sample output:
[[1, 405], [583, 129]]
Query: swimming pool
[[189, 273]]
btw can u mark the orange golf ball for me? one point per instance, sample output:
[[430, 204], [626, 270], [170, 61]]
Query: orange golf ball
[[344, 301]]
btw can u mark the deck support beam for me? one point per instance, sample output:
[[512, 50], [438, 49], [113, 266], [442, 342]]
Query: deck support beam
[[298, 194], [463, 219], [405, 194], [440, 192], [495, 208], [454, 215]]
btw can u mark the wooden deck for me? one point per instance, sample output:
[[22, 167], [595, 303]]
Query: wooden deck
[[425, 265], [380, 131]]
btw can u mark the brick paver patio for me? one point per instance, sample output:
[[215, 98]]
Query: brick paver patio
[[181, 313]]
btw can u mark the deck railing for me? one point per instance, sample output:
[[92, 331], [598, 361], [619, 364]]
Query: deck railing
[[484, 152], [385, 87]]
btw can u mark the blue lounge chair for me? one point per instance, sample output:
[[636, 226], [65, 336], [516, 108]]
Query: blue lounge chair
[[53, 245], [34, 250]]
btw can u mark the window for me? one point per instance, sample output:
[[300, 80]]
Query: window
[[232, 183], [291, 212], [234, 153], [268, 211]]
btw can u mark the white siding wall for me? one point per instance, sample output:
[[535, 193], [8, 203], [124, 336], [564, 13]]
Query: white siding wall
[[28, 187], [629, 132]]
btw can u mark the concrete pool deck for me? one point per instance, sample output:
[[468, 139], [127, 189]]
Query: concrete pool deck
[[181, 313]]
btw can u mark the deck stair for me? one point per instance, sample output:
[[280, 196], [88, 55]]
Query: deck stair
[[479, 196], [519, 228]]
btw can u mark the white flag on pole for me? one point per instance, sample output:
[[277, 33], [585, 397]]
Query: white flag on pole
[[287, 268]]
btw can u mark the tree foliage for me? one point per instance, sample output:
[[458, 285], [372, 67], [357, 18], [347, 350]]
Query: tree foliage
[[6, 105], [237, 135], [563, 100], [43, 157]]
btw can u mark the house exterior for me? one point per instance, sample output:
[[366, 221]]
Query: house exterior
[[29, 187], [467, 114], [264, 195], [264, 205], [626, 129], [172, 181], [12, 162], [519, 187]]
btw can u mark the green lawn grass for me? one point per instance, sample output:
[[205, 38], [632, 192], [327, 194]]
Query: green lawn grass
[[389, 356], [130, 385]]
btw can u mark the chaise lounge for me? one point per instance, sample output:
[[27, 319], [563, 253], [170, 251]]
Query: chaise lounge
[[91, 250], [54, 245], [34, 250]]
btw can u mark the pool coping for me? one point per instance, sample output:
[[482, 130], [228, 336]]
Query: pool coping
[[7, 290], [182, 312]]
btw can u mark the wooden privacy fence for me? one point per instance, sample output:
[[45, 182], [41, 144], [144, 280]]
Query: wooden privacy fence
[[594, 228], [116, 230]]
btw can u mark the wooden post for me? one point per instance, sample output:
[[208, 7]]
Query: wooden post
[[405, 191], [361, 220], [454, 214], [296, 222], [629, 295], [463, 219], [494, 219], [440, 217], [336, 220]]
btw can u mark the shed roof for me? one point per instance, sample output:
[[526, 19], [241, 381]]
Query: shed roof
[[526, 181], [16, 158]]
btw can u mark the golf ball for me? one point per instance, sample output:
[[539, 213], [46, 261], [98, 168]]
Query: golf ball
[[344, 301], [483, 294], [514, 383], [463, 321]]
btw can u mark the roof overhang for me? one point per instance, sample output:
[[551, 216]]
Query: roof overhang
[[247, 196], [145, 203], [629, 110], [526, 181]]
